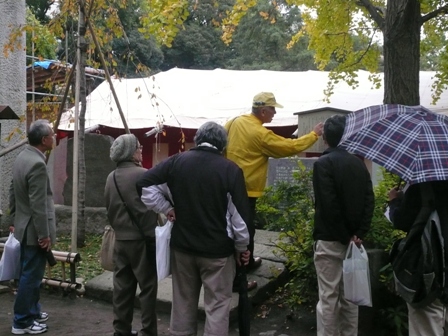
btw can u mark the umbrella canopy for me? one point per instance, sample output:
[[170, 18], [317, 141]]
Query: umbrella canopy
[[410, 141]]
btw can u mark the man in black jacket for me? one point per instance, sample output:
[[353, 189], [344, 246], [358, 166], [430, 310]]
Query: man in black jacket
[[344, 208], [204, 244]]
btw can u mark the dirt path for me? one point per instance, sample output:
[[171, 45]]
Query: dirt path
[[81, 316]]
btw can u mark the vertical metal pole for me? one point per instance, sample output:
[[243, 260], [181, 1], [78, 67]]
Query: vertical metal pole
[[74, 242], [33, 117]]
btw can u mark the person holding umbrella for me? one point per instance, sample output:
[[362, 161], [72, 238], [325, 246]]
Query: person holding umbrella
[[344, 203], [411, 142], [431, 319]]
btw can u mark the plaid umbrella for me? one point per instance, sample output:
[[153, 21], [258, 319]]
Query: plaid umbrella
[[411, 142]]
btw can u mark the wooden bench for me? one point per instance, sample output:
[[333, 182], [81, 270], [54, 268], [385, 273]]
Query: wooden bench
[[62, 258]]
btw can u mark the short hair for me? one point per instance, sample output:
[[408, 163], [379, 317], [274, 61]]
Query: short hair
[[256, 110], [38, 129], [212, 133], [333, 130]]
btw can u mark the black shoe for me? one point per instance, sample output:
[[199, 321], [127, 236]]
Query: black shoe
[[133, 333]]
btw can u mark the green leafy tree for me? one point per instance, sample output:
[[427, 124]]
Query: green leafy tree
[[332, 27], [134, 51], [134, 54], [40, 9], [39, 37], [401, 22], [261, 38], [198, 44]]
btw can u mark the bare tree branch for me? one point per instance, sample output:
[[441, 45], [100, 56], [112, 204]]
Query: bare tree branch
[[439, 11], [373, 11]]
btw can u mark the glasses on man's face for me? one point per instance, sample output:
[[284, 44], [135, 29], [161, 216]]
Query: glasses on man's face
[[52, 136], [140, 147]]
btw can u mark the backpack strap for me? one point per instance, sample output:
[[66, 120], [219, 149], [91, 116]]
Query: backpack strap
[[430, 201], [426, 208]]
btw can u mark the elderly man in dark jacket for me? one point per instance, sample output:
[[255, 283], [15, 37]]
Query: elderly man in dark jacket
[[344, 209], [204, 246], [134, 227]]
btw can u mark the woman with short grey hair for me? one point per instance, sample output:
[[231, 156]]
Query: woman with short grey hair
[[134, 251], [213, 134]]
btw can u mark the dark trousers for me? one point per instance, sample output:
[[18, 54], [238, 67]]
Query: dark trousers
[[26, 305], [251, 227], [134, 264]]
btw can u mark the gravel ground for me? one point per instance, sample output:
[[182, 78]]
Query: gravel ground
[[81, 316]]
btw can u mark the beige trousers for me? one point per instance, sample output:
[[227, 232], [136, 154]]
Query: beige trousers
[[335, 315], [189, 274], [430, 320]]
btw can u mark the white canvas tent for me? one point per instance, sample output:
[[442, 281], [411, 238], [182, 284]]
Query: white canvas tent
[[188, 98]]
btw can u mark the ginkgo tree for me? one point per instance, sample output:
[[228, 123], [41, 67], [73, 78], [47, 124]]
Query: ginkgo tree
[[408, 28]]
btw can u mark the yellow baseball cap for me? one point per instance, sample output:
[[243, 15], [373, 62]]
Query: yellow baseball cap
[[265, 99]]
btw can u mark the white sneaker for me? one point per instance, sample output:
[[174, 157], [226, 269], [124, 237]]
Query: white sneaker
[[43, 325], [33, 329], [43, 316]]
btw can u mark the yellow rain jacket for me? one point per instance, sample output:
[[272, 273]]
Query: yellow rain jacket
[[250, 145]]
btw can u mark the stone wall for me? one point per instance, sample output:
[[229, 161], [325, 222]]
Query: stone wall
[[12, 90], [96, 219], [98, 167]]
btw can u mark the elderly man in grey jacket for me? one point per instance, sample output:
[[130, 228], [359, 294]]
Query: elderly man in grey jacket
[[32, 210]]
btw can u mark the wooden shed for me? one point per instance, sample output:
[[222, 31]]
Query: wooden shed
[[308, 119]]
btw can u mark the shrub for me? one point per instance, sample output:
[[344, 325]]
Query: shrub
[[288, 208]]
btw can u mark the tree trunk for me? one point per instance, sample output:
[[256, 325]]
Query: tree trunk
[[402, 52], [81, 134]]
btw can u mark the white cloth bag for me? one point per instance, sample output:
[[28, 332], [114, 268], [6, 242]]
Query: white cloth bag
[[10, 261], [355, 271], [163, 237]]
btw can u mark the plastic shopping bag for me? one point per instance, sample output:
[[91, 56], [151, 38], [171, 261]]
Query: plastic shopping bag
[[356, 276], [163, 237], [10, 261], [107, 249]]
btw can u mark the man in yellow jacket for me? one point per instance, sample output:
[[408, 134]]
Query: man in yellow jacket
[[250, 145]]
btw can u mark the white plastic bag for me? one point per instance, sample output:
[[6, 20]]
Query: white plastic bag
[[10, 261], [356, 276], [163, 237]]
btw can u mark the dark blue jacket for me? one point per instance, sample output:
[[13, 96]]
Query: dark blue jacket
[[344, 198]]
